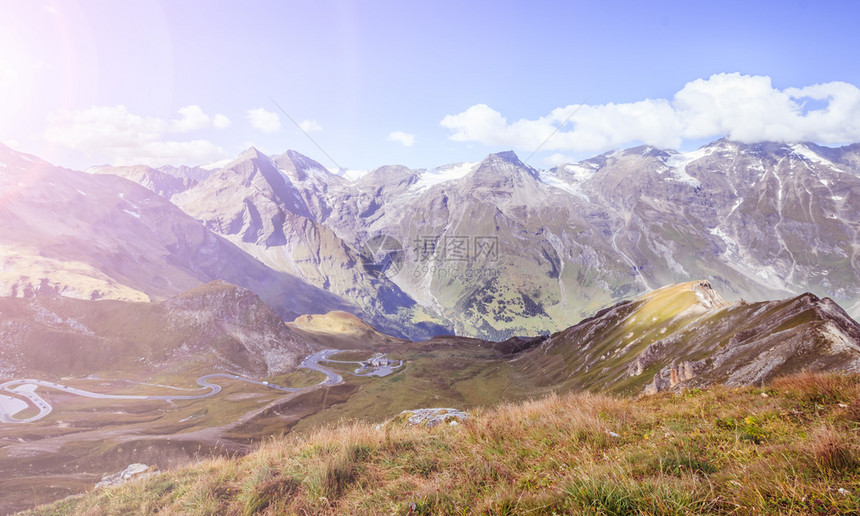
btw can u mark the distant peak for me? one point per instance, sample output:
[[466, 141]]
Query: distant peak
[[251, 153], [505, 164], [298, 162], [293, 154], [507, 156], [649, 151]]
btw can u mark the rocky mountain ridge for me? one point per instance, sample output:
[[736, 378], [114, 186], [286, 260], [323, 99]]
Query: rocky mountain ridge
[[687, 335]]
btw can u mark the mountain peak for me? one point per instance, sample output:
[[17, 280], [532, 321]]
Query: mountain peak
[[251, 153], [501, 168], [300, 167], [506, 156], [649, 151], [677, 298]]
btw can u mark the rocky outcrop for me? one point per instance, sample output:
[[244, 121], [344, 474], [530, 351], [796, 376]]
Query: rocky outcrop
[[133, 471], [428, 417], [674, 375]]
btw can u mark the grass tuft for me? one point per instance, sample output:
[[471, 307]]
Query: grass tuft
[[832, 449]]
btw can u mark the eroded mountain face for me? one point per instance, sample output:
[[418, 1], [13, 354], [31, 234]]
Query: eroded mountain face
[[499, 248]]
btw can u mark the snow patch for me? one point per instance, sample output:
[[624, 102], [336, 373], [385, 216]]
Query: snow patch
[[808, 154], [731, 245], [441, 175], [677, 164], [580, 173], [549, 179]]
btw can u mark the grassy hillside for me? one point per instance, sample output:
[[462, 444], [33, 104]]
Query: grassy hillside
[[686, 335], [790, 448]]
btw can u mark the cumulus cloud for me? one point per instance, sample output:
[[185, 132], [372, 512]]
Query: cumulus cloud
[[742, 107], [310, 126], [220, 121], [405, 139], [128, 138], [263, 120]]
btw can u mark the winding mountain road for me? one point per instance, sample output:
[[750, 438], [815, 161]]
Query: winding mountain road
[[26, 388]]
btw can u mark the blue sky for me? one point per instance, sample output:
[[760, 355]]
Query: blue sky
[[419, 84]]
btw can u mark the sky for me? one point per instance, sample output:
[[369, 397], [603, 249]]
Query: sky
[[359, 85]]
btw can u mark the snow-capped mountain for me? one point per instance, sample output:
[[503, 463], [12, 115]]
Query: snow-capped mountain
[[498, 248], [761, 220]]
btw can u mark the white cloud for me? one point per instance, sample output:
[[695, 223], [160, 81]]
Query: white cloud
[[310, 126], [558, 159], [405, 139], [171, 152], [741, 107], [220, 121], [126, 138], [103, 127], [263, 120], [193, 119]]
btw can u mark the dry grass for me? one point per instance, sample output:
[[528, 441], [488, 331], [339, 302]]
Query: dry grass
[[788, 449], [832, 449]]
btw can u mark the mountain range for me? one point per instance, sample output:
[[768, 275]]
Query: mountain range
[[499, 248]]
